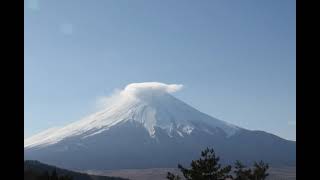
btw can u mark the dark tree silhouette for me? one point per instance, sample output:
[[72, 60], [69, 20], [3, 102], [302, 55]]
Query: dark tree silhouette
[[44, 176], [206, 168], [171, 176], [47, 176], [54, 175], [209, 168], [241, 172], [260, 171]]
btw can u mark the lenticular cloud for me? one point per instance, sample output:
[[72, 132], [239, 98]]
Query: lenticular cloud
[[139, 89], [136, 91]]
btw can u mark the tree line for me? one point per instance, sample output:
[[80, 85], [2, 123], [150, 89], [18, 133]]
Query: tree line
[[32, 175], [209, 168]]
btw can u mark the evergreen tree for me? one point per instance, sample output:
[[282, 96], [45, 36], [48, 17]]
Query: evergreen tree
[[206, 168], [44, 176], [54, 175], [260, 171], [171, 176], [66, 177], [241, 172], [209, 168]]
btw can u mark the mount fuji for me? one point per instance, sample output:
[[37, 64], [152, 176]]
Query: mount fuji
[[145, 126]]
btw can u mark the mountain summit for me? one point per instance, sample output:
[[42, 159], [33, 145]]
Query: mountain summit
[[148, 104], [145, 126]]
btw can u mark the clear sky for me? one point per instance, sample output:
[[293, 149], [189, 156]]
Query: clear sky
[[236, 59]]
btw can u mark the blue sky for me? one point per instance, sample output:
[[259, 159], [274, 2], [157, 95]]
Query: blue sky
[[236, 59]]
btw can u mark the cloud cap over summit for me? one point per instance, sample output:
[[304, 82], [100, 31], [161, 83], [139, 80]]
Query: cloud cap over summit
[[139, 90]]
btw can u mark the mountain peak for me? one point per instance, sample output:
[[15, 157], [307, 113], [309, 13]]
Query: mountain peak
[[149, 104], [145, 126]]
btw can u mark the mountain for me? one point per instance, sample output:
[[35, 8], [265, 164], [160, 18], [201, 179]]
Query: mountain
[[145, 126], [34, 169]]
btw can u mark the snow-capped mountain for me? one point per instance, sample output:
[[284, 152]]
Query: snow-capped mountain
[[144, 126]]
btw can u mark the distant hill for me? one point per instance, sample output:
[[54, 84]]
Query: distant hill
[[33, 169]]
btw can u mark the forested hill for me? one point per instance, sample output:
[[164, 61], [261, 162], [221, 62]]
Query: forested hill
[[35, 170]]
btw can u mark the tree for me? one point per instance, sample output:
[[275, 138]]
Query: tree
[[171, 176], [260, 171], [54, 175], [241, 172], [206, 168], [209, 168], [66, 177], [44, 176]]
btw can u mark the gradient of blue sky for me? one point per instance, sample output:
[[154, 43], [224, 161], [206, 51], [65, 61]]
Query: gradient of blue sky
[[236, 59]]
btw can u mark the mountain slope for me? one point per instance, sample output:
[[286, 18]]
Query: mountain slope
[[144, 126]]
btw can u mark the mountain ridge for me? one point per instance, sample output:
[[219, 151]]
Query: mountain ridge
[[154, 109]]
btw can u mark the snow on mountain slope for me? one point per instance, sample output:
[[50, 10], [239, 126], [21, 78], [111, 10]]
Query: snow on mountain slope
[[145, 126], [150, 104]]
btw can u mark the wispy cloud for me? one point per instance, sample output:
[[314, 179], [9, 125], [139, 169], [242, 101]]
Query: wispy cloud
[[105, 101], [136, 91]]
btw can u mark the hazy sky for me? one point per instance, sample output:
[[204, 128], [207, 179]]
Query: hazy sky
[[236, 59]]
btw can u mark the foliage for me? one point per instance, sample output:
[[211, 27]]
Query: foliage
[[171, 176], [241, 172], [260, 171], [35, 169], [206, 168], [32, 175], [209, 168]]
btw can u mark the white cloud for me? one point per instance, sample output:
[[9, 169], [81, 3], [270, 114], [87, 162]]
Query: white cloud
[[137, 91], [105, 101]]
